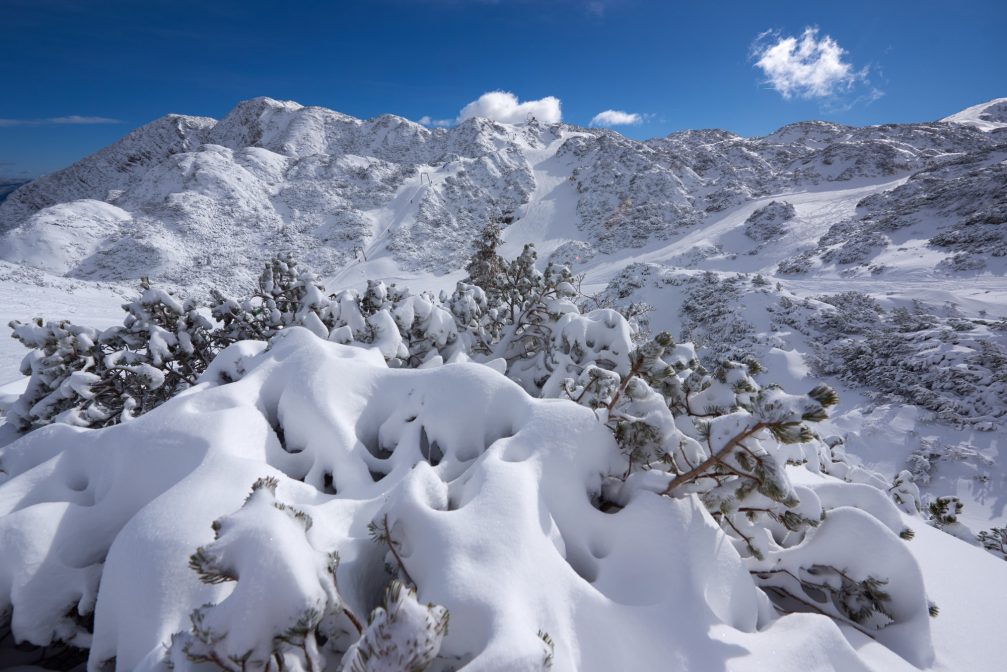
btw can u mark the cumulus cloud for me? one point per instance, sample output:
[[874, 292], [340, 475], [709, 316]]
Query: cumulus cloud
[[73, 119], [805, 66], [504, 107], [616, 118]]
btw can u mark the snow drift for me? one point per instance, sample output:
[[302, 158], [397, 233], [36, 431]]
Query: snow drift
[[488, 493]]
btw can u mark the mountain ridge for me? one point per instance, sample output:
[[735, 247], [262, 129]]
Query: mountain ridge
[[332, 188]]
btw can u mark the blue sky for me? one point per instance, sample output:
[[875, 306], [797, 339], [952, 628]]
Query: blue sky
[[78, 75]]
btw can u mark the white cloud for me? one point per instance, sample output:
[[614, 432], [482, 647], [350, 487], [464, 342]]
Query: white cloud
[[73, 119], [805, 67], [77, 119], [616, 118], [426, 120], [504, 107]]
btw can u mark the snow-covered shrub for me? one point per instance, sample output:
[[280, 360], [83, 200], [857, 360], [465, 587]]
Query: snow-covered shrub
[[285, 606], [89, 378], [994, 540], [287, 295], [731, 445], [62, 366], [768, 222], [944, 513], [408, 329], [286, 612], [401, 636], [801, 262], [905, 493]]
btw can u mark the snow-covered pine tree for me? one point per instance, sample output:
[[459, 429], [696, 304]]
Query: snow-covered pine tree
[[264, 548], [88, 378], [64, 363], [287, 295], [729, 452], [526, 307], [403, 635], [485, 267], [731, 448]]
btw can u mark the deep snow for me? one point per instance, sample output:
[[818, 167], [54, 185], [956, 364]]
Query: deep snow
[[500, 530]]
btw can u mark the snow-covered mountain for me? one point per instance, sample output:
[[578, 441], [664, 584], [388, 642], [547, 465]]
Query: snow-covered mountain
[[988, 116], [198, 202], [8, 185]]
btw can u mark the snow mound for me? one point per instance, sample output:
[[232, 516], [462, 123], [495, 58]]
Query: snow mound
[[452, 476], [59, 237], [987, 116]]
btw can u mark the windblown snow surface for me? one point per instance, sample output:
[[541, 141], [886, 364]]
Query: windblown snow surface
[[872, 258]]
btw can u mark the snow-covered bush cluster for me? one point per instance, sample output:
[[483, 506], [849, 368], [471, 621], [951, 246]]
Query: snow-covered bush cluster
[[709, 311], [932, 356], [957, 205], [768, 222], [84, 377], [951, 366], [372, 480]]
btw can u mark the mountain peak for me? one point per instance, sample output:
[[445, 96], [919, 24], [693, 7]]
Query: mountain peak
[[987, 116], [263, 102]]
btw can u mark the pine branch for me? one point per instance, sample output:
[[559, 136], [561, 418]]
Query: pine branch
[[382, 534], [692, 474]]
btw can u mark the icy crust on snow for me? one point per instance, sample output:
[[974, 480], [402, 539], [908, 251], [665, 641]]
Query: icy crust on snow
[[487, 491], [194, 201]]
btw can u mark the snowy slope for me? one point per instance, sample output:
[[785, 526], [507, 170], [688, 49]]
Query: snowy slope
[[986, 116], [8, 185]]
